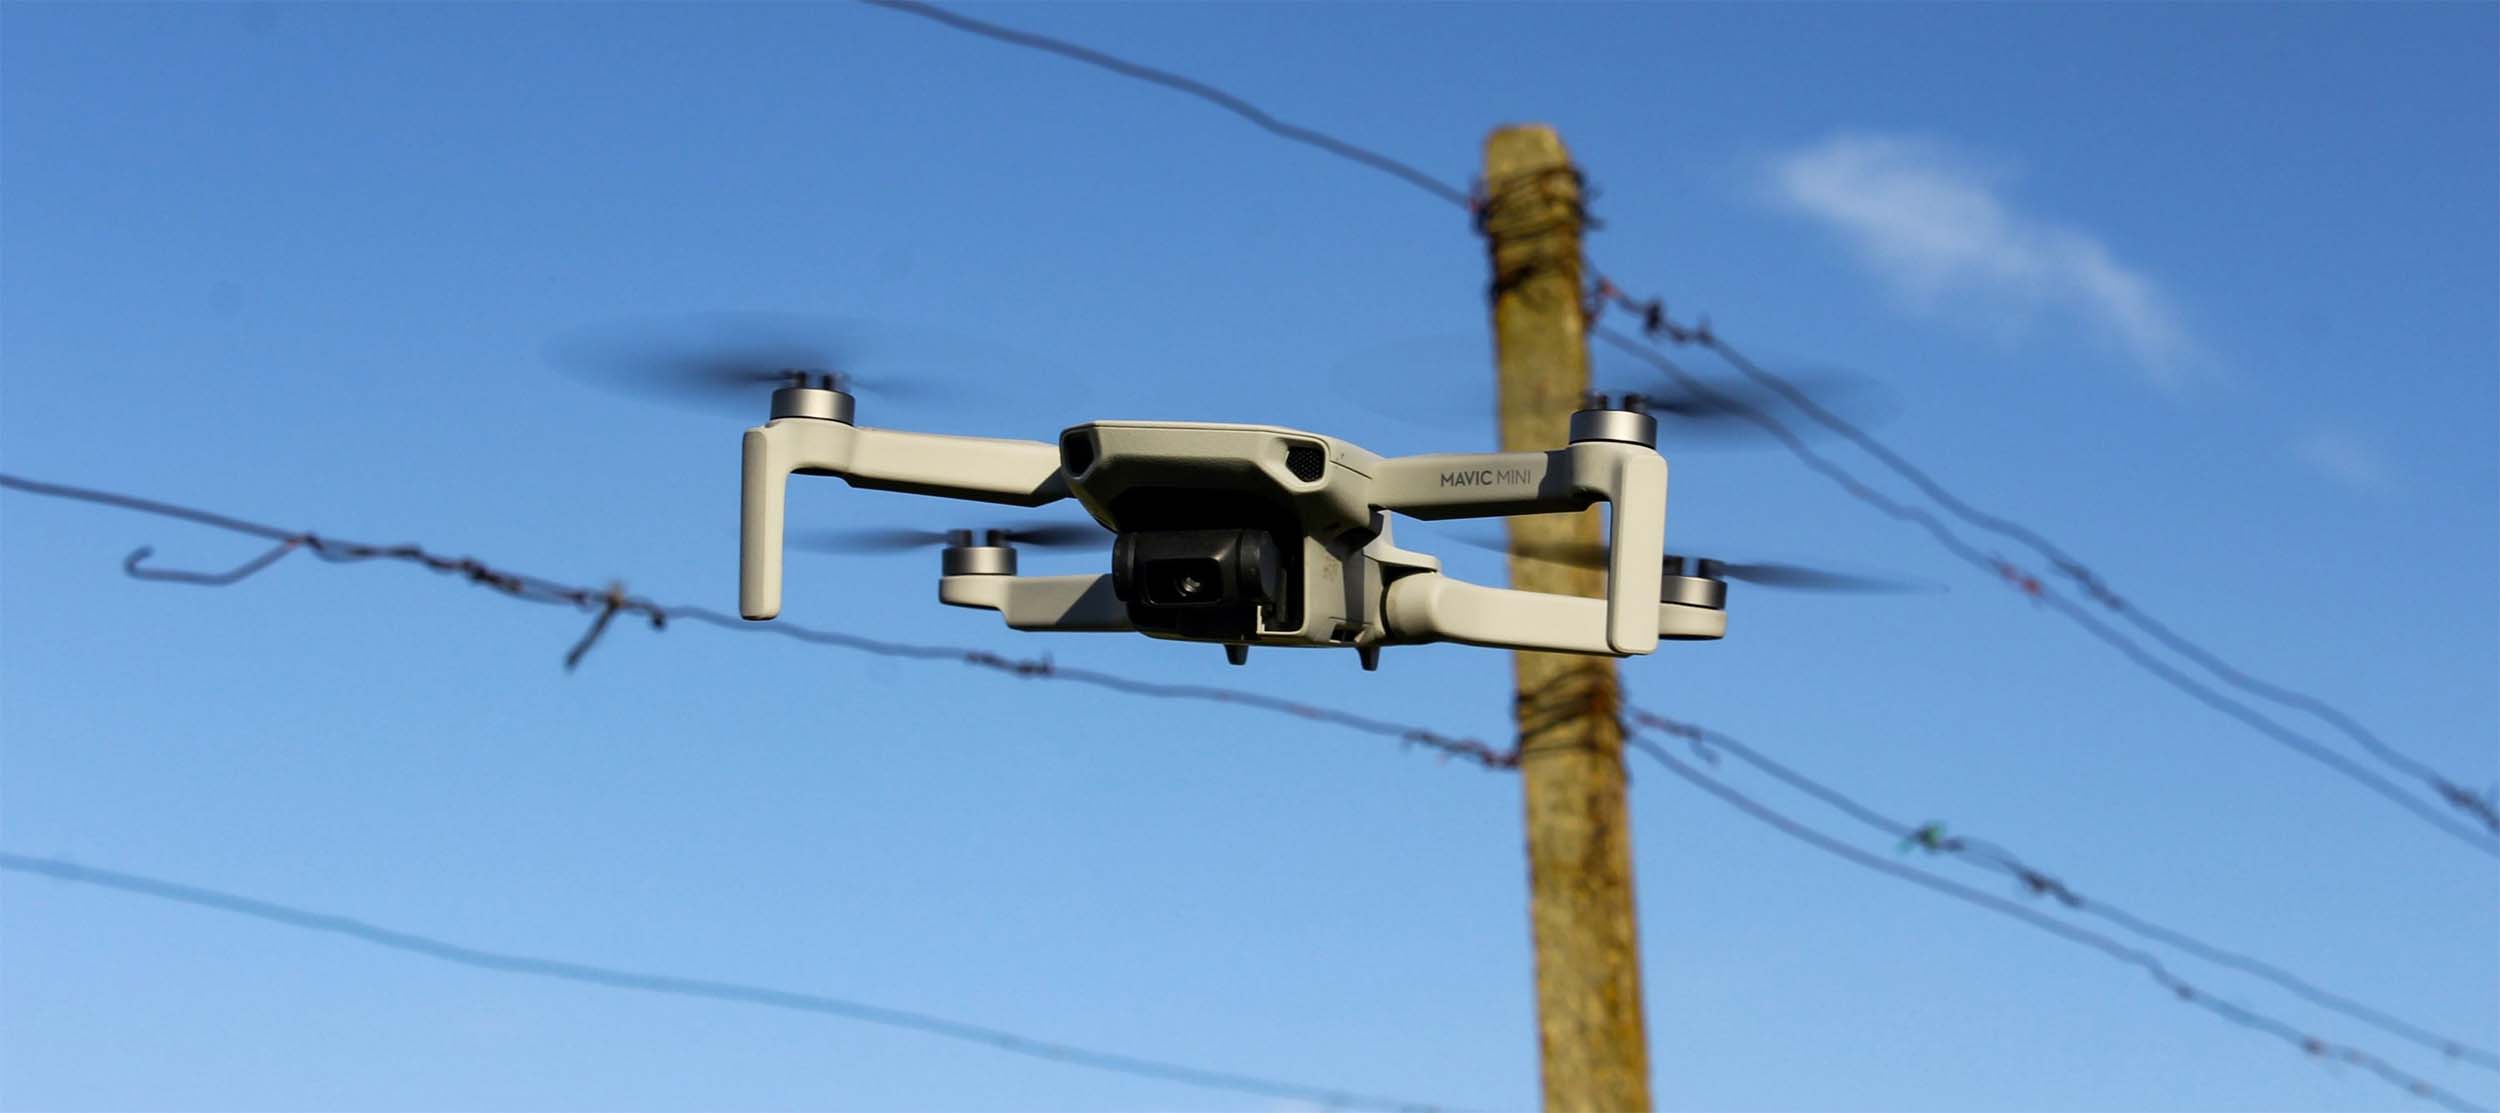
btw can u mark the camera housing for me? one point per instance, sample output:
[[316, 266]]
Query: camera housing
[[1200, 583], [1258, 517]]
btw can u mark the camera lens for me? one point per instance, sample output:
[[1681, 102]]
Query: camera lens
[[1184, 582]]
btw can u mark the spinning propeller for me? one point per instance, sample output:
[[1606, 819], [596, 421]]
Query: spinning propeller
[[1046, 535], [1793, 577], [1687, 418], [1719, 412], [731, 362]]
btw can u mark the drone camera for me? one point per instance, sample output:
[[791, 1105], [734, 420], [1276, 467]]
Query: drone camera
[[1198, 582]]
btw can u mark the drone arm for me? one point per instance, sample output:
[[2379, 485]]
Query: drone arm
[[1063, 603], [978, 469], [1433, 607], [1478, 484], [1630, 477], [1017, 473]]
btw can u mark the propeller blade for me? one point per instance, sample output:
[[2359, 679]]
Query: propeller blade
[[1060, 535], [725, 360], [1461, 398], [855, 541], [1801, 578], [1792, 577], [1683, 410], [1068, 534]]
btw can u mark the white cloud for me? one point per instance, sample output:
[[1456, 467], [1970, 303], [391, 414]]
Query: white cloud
[[1935, 225], [2346, 459]]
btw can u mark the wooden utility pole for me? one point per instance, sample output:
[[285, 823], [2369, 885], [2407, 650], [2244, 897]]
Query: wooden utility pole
[[1594, 1052]]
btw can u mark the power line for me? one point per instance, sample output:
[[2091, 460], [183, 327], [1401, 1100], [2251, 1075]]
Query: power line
[[1954, 543], [608, 602], [672, 985], [1932, 838], [613, 600], [2313, 1046], [1657, 323], [2481, 807], [1199, 89]]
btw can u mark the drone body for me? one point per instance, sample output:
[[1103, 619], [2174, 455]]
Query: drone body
[[1251, 534]]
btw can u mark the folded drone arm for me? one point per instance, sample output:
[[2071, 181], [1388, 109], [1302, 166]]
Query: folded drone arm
[[1631, 478], [981, 469], [1433, 607], [1062, 603], [1482, 484]]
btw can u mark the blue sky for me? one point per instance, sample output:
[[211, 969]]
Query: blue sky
[[2206, 292]]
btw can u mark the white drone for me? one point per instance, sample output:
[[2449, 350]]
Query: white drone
[[1248, 535]]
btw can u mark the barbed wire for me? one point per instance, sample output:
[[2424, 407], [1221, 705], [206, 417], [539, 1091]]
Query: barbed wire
[[605, 604], [2041, 593], [1657, 323], [676, 986], [1637, 738], [1932, 838], [608, 602], [1193, 87]]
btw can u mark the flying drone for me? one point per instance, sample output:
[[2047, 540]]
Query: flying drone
[[1250, 535]]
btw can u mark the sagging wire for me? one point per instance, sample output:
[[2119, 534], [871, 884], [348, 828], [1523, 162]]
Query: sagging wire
[[1656, 322], [606, 604], [705, 988], [1932, 838], [1257, 116], [2314, 1046], [2032, 587], [614, 600]]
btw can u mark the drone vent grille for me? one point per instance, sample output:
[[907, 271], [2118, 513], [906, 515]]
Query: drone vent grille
[[1307, 462]]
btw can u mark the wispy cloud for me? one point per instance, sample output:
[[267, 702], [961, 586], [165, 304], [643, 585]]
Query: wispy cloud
[[2346, 459], [1935, 224]]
